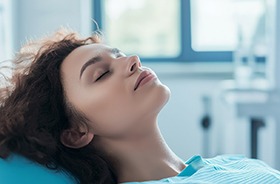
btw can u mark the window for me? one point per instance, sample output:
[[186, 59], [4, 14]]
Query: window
[[137, 27], [181, 30], [219, 27]]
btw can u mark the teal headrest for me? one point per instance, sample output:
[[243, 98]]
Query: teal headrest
[[19, 170]]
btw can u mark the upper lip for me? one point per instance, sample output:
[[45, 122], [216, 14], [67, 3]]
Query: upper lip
[[142, 75]]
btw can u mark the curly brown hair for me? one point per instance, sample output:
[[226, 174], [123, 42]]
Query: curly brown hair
[[34, 111]]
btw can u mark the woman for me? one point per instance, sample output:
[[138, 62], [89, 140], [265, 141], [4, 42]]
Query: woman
[[85, 108]]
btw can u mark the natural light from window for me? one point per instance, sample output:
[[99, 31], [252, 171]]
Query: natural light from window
[[218, 25], [144, 27]]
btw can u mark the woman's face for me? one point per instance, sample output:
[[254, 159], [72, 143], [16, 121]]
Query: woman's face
[[112, 90]]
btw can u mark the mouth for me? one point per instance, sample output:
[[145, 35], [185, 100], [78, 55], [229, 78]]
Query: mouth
[[143, 75]]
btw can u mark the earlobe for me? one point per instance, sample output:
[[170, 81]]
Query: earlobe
[[74, 139]]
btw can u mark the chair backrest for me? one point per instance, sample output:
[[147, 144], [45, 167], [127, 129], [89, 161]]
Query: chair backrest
[[17, 169]]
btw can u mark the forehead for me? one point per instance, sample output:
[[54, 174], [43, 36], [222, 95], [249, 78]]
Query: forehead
[[85, 52]]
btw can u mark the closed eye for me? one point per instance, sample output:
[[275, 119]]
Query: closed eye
[[102, 75], [120, 55]]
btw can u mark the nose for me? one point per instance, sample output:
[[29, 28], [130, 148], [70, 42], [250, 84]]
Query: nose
[[133, 63]]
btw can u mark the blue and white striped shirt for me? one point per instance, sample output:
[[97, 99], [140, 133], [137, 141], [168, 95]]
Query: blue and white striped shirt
[[223, 169]]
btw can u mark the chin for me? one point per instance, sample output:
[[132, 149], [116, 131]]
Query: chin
[[166, 93], [161, 96]]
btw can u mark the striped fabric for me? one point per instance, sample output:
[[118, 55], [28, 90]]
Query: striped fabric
[[223, 169]]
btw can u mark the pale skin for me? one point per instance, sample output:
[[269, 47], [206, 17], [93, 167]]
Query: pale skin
[[123, 121]]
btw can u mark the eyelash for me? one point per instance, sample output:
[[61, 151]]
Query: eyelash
[[105, 73], [102, 75], [119, 55]]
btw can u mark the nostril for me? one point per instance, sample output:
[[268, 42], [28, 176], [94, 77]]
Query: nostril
[[133, 67]]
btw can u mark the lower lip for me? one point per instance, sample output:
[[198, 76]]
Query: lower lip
[[147, 79]]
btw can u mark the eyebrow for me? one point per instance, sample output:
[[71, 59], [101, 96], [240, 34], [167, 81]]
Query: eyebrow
[[96, 59], [88, 63]]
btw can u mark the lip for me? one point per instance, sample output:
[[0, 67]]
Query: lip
[[144, 77]]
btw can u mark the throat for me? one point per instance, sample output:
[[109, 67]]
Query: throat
[[151, 163], [151, 170], [143, 158]]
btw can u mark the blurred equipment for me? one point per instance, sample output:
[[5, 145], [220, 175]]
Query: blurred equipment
[[256, 123], [260, 97], [205, 123]]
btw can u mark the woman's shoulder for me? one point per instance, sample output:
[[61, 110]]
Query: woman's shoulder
[[17, 169]]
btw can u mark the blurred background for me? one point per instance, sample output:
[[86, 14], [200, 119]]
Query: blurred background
[[219, 58]]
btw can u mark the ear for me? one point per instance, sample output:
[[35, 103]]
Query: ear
[[74, 138]]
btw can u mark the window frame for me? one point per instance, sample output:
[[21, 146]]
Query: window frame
[[187, 54]]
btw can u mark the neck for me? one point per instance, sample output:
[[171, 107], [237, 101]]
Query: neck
[[143, 158]]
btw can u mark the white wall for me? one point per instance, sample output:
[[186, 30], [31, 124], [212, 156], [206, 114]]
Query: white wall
[[36, 18], [180, 119]]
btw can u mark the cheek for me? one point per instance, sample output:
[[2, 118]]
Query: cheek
[[108, 110]]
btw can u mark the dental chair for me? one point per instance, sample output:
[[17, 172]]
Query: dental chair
[[19, 170]]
